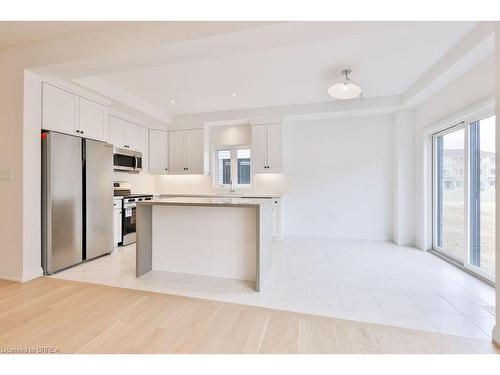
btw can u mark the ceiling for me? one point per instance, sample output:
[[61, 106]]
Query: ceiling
[[285, 64], [19, 33]]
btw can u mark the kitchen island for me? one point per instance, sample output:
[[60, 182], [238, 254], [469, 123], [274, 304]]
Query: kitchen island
[[218, 237]]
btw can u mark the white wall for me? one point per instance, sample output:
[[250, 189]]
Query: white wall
[[404, 177], [142, 183], [472, 87], [230, 135], [337, 180], [339, 177], [32, 111]]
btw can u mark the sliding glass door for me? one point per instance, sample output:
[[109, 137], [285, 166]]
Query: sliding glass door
[[464, 195], [481, 254], [450, 196]]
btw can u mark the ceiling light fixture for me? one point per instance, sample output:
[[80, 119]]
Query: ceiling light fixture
[[172, 101], [234, 94], [347, 89]]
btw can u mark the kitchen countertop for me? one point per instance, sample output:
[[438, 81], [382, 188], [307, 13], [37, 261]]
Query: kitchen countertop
[[207, 201], [222, 195]]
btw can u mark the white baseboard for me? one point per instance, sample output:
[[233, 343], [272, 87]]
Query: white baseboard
[[403, 242], [10, 278], [495, 335], [33, 275]]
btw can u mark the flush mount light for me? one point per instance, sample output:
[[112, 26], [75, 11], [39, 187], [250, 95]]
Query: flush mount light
[[234, 94], [172, 101], [346, 89]]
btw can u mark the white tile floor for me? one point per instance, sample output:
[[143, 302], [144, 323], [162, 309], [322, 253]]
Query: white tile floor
[[369, 281]]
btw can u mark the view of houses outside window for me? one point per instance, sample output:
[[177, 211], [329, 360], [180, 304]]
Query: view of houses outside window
[[240, 158], [451, 207], [451, 195]]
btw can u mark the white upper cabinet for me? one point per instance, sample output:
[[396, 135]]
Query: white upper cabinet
[[194, 151], [133, 135], [68, 113], [267, 148], [177, 152], [117, 132], [125, 134], [59, 110], [143, 146], [93, 119], [274, 148], [158, 151], [185, 152], [259, 145]]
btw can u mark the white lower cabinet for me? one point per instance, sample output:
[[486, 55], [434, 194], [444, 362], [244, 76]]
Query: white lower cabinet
[[277, 226], [117, 215]]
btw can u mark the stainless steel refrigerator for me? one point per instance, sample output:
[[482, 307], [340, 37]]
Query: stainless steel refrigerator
[[77, 200]]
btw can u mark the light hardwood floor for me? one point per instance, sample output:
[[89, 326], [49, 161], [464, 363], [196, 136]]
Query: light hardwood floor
[[78, 317]]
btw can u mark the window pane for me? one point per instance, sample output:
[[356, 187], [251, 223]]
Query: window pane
[[482, 195], [243, 167], [450, 198], [224, 167]]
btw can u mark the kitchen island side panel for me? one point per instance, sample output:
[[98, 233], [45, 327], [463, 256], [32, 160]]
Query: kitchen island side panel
[[203, 240], [144, 245]]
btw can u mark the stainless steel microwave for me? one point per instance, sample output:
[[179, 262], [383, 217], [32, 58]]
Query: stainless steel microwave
[[127, 160]]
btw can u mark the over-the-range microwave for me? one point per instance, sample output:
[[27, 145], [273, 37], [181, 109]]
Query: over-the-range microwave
[[127, 160]]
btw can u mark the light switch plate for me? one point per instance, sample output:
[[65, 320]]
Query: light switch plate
[[6, 175]]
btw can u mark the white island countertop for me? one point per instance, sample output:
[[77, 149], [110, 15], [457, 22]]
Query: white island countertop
[[222, 194], [207, 201]]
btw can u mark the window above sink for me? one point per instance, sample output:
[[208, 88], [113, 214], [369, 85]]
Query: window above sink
[[232, 167]]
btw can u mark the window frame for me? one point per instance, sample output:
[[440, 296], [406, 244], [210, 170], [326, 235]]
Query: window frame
[[465, 123], [234, 167], [435, 205]]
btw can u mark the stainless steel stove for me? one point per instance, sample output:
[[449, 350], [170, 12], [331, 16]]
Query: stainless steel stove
[[129, 202]]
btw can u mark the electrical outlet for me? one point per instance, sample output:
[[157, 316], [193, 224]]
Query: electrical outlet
[[6, 175]]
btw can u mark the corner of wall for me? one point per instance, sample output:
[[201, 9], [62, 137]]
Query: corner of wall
[[31, 171], [404, 177]]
